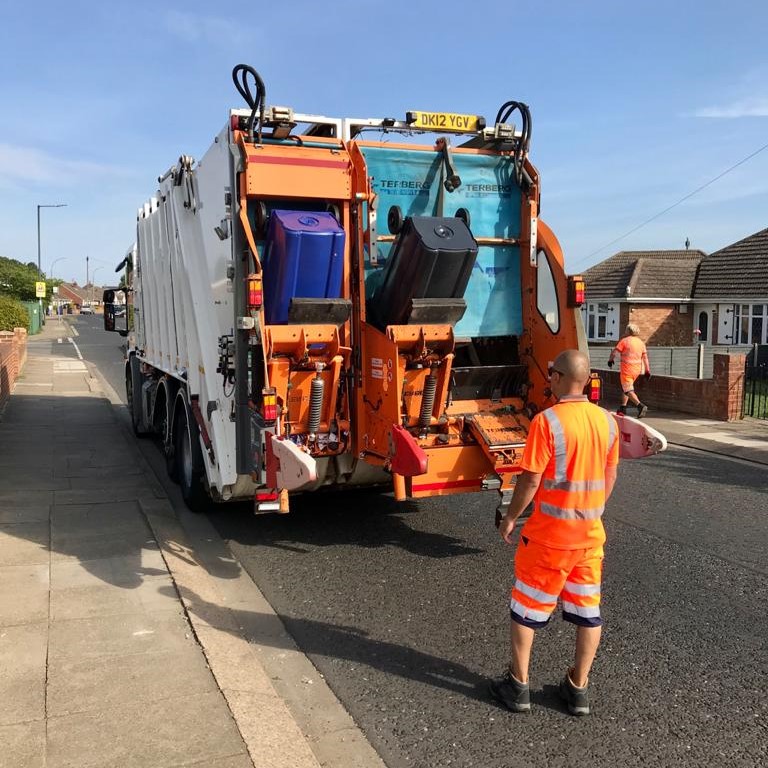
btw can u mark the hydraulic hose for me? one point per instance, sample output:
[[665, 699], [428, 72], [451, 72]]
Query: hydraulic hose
[[257, 103]]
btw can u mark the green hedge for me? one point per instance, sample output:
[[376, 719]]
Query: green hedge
[[12, 314]]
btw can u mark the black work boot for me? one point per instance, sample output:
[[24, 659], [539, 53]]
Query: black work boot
[[622, 410], [510, 692], [641, 410], [577, 699]]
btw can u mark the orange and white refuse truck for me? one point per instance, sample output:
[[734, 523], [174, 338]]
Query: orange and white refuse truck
[[322, 302]]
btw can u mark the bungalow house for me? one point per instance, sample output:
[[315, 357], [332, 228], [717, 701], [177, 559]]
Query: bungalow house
[[731, 293], [653, 289], [71, 294]]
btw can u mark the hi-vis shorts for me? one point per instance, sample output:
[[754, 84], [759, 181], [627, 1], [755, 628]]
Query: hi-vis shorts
[[543, 574], [627, 377]]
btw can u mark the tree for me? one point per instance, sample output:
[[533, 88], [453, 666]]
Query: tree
[[17, 279]]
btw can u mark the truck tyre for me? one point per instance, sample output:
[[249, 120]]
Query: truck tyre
[[133, 382], [164, 427], [188, 460]]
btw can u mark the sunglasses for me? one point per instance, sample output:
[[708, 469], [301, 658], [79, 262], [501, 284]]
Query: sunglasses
[[552, 370]]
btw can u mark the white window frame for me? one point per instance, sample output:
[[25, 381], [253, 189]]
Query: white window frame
[[600, 309], [748, 313]]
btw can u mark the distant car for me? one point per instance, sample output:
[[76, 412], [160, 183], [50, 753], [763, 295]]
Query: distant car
[[86, 310], [119, 311]]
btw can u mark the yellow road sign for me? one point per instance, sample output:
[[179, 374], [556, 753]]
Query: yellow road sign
[[40, 289]]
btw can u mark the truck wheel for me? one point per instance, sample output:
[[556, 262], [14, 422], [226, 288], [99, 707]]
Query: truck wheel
[[189, 461], [133, 382]]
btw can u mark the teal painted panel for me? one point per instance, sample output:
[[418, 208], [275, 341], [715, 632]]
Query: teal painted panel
[[412, 180]]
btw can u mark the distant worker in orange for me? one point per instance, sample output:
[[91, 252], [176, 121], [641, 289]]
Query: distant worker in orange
[[569, 470], [634, 363]]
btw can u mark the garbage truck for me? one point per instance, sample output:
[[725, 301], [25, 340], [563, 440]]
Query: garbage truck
[[327, 302]]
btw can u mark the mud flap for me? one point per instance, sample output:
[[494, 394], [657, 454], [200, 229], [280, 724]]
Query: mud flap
[[408, 458], [288, 467]]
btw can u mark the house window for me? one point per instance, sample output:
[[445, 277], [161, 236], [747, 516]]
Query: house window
[[752, 323], [599, 321]]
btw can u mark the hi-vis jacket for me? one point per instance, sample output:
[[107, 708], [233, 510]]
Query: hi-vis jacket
[[570, 445], [634, 357]]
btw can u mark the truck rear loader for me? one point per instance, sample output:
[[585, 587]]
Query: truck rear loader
[[326, 302]]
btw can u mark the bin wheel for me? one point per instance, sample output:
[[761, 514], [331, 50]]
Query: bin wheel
[[395, 220]]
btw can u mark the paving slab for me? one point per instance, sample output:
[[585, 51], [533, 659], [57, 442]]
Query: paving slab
[[24, 513], [77, 685], [25, 498], [120, 635], [125, 571], [22, 673], [87, 547], [238, 761], [106, 473], [23, 745], [109, 737], [155, 594], [84, 497], [25, 544], [80, 520], [25, 590]]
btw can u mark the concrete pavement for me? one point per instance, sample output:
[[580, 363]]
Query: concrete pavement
[[106, 657]]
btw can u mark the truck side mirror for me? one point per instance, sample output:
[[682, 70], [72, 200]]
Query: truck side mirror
[[109, 317], [108, 300]]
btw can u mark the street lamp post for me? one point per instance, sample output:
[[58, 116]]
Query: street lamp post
[[53, 264], [39, 268], [93, 284]]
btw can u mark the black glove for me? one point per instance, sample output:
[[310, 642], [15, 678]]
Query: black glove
[[610, 363], [647, 375]]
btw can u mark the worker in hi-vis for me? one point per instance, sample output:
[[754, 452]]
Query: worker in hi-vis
[[569, 469], [634, 363]]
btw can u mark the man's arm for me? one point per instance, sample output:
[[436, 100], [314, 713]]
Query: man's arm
[[525, 489]]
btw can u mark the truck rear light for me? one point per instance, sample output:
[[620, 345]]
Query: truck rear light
[[594, 388], [255, 292], [576, 290], [269, 405]]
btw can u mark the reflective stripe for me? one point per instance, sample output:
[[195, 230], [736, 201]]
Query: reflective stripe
[[559, 436], [528, 613], [565, 513], [611, 429], [586, 612], [539, 595], [574, 485], [582, 589]]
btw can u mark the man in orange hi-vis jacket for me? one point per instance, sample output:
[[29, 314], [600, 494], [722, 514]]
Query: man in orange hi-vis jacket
[[569, 470], [634, 362]]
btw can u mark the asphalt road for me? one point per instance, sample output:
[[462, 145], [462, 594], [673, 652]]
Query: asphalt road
[[403, 609]]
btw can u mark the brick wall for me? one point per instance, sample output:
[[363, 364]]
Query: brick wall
[[13, 355], [721, 397], [662, 325]]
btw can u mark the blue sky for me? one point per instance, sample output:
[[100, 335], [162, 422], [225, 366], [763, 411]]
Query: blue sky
[[634, 105]]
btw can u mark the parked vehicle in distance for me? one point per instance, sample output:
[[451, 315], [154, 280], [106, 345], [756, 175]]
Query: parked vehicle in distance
[[86, 309]]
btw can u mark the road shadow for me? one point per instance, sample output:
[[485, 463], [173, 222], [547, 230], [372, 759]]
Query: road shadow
[[361, 518]]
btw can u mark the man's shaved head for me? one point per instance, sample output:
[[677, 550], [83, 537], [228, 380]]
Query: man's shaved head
[[574, 367]]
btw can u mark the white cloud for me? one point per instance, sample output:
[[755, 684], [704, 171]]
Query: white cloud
[[21, 165], [194, 28], [754, 107]]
